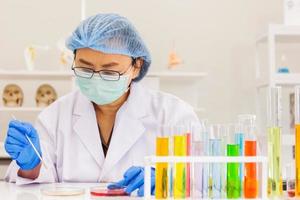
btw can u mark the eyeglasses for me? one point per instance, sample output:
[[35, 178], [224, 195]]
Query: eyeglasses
[[107, 75]]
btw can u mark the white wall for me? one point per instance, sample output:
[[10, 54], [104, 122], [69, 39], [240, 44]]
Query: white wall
[[216, 36]]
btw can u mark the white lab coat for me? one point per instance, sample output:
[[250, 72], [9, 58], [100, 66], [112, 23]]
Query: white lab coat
[[71, 144]]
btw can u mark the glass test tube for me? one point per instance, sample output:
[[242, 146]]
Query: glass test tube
[[197, 150], [274, 142], [161, 172], [215, 149], [171, 165], [188, 165], [180, 149], [297, 140], [250, 178], [290, 181], [223, 134], [243, 121], [206, 176], [233, 169]]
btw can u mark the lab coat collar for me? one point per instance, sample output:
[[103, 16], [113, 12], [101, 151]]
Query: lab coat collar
[[128, 127], [85, 126], [136, 105]]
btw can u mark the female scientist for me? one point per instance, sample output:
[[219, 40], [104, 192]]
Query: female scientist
[[105, 128]]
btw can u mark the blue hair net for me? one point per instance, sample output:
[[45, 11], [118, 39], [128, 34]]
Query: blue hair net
[[111, 34]]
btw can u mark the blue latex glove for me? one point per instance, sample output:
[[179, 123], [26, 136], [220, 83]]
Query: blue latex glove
[[19, 148], [134, 179]]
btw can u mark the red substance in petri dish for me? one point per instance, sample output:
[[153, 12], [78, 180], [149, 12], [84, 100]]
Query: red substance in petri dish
[[291, 193], [107, 192]]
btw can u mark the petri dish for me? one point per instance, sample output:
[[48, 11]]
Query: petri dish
[[100, 191], [62, 191]]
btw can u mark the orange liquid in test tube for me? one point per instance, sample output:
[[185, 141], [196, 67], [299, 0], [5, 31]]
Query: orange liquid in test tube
[[250, 182], [161, 172]]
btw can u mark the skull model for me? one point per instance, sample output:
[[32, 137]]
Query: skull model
[[45, 95], [12, 96]]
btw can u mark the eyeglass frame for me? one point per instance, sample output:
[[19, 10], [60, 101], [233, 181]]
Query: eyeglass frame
[[133, 62]]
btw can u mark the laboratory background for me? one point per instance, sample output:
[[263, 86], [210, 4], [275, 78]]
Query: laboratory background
[[228, 59]]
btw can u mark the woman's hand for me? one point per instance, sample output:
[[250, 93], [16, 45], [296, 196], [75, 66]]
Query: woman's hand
[[19, 148], [134, 179]]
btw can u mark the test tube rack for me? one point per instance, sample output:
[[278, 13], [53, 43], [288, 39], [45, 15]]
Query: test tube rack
[[261, 160]]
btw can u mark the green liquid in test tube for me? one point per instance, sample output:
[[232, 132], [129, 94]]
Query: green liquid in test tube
[[233, 169]]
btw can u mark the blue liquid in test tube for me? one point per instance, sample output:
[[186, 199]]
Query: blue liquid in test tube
[[215, 149], [240, 139]]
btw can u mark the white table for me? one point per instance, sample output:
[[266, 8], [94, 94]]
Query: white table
[[10, 191]]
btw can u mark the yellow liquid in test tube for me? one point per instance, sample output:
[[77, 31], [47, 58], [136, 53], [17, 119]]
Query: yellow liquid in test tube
[[188, 165], [180, 149], [274, 151], [161, 172], [297, 158], [274, 142]]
